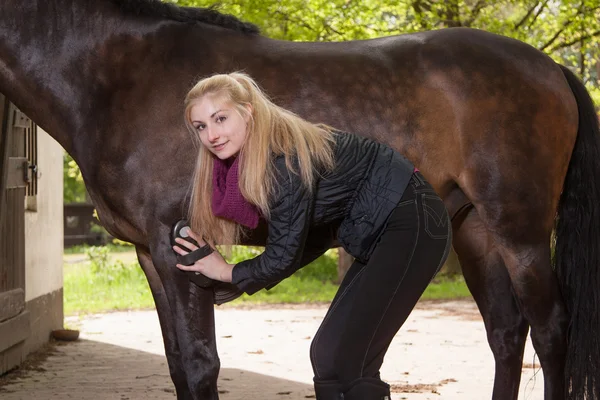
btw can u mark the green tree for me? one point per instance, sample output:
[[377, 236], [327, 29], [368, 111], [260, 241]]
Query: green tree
[[73, 188]]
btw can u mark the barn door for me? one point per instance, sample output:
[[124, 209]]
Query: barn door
[[14, 169]]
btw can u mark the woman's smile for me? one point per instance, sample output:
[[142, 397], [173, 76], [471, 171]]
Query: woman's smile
[[220, 147]]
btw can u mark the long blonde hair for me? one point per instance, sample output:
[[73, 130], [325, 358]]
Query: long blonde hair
[[272, 131]]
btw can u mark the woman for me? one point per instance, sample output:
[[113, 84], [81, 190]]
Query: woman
[[314, 185]]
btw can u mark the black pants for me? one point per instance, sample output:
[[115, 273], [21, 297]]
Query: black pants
[[376, 298]]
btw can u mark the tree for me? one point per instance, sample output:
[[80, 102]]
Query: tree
[[73, 187]]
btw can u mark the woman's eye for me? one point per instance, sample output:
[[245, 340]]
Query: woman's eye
[[221, 118], [199, 127]]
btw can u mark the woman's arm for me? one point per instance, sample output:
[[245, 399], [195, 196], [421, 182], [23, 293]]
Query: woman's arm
[[212, 266], [288, 227]]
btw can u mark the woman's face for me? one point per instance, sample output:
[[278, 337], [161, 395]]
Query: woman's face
[[220, 126]]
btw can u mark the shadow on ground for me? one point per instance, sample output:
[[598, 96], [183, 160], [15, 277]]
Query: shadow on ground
[[90, 370]]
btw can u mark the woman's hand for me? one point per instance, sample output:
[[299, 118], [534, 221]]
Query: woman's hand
[[212, 266]]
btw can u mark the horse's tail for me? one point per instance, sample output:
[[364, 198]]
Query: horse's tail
[[577, 257]]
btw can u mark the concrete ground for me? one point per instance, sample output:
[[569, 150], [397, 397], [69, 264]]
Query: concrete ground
[[440, 353]]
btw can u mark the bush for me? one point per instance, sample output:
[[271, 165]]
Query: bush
[[113, 272]]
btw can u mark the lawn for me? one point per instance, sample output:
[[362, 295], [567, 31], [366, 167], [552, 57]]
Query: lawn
[[102, 279]]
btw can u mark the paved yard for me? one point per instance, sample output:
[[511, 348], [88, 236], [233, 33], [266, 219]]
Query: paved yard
[[441, 353]]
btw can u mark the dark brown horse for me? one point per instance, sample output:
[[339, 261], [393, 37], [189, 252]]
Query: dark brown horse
[[497, 127]]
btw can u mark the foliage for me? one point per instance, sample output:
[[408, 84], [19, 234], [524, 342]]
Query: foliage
[[111, 271], [73, 188], [98, 257]]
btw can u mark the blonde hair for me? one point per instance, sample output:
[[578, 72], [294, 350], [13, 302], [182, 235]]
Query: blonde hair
[[272, 131]]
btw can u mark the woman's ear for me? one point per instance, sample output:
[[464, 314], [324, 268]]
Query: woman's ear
[[248, 115]]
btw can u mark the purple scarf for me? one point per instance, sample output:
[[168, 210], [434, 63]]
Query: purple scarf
[[227, 199]]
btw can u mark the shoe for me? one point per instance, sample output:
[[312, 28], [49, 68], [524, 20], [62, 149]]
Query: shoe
[[368, 389]]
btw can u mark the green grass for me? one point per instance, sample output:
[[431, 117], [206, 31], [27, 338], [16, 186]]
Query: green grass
[[112, 248], [311, 284], [101, 285], [105, 283], [446, 288]]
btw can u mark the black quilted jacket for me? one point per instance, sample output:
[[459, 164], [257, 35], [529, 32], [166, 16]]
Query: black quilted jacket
[[350, 204]]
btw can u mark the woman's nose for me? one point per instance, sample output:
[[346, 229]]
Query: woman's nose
[[212, 135]]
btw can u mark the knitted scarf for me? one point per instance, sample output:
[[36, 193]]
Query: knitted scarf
[[227, 199]]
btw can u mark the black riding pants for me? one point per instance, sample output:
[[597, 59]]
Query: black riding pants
[[376, 298]]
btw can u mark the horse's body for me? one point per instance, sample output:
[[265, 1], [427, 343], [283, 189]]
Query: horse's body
[[489, 120]]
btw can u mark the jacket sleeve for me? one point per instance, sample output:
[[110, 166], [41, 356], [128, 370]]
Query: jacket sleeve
[[318, 241], [291, 212]]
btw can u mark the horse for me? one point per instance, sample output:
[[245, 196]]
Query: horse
[[507, 137]]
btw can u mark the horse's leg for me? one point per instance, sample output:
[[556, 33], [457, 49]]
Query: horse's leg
[[191, 320], [489, 283], [166, 324], [539, 296]]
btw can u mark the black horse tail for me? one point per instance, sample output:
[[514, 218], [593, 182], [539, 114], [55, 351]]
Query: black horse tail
[[577, 251]]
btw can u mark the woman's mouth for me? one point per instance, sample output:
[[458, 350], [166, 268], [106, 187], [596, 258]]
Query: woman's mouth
[[219, 147]]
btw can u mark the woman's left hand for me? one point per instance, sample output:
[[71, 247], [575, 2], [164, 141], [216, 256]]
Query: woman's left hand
[[212, 266]]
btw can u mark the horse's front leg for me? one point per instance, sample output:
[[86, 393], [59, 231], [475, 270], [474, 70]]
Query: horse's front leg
[[186, 314], [166, 324]]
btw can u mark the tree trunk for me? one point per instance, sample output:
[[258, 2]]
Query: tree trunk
[[345, 260], [452, 265]]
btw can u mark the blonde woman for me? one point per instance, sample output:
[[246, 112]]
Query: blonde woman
[[313, 185]]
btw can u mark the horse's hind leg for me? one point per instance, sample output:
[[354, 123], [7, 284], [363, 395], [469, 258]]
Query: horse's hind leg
[[538, 293], [488, 281]]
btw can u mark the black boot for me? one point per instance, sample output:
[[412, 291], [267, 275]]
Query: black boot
[[328, 390], [368, 389]]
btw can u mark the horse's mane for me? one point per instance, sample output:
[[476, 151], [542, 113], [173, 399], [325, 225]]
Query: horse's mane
[[157, 8]]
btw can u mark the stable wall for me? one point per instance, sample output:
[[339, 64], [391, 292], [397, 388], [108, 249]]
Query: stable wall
[[44, 246]]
